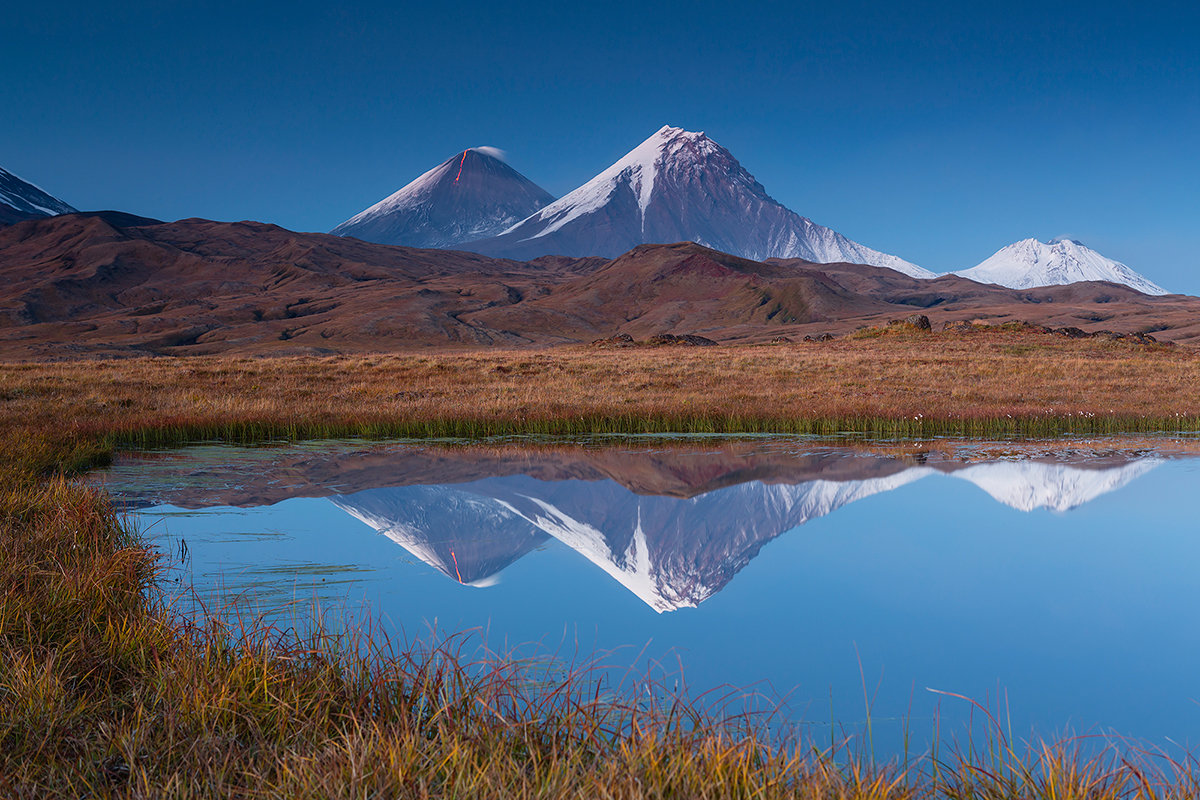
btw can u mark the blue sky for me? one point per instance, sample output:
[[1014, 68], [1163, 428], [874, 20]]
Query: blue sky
[[939, 132]]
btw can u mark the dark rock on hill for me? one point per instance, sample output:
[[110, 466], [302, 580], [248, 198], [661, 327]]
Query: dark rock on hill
[[687, 340]]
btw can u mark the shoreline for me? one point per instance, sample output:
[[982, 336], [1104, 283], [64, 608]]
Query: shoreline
[[108, 693]]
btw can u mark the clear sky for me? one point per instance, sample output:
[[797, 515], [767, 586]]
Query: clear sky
[[936, 131]]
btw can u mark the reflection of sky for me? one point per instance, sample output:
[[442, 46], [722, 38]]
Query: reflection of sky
[[1084, 617]]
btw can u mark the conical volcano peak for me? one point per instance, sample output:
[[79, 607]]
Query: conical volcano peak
[[671, 142], [675, 186], [490, 152], [471, 195], [668, 132]]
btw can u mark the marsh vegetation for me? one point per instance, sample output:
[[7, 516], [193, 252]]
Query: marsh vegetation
[[106, 690]]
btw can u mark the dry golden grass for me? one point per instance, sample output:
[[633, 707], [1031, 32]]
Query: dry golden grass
[[930, 383]]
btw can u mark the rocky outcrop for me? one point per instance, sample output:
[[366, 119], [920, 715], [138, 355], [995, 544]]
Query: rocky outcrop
[[686, 340], [620, 340]]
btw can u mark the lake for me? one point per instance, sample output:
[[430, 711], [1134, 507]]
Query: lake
[[1054, 582]]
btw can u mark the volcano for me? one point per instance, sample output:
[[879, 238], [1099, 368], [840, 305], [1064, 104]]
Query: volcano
[[679, 186], [471, 195], [1030, 263]]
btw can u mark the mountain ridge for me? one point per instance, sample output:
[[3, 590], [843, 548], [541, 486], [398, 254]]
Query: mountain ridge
[[110, 284], [21, 200], [1030, 263]]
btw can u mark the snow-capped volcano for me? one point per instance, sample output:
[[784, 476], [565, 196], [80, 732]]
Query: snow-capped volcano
[[469, 196], [1029, 263], [680, 186], [22, 200]]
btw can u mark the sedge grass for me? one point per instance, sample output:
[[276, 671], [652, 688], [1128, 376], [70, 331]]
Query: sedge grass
[[893, 386]]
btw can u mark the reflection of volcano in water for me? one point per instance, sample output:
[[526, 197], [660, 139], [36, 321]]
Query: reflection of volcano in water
[[1027, 485], [671, 552], [671, 524], [468, 537]]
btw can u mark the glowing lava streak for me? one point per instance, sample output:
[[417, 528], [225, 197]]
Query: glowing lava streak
[[460, 163], [456, 572]]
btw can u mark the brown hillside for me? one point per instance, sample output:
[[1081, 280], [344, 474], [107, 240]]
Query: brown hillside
[[113, 284]]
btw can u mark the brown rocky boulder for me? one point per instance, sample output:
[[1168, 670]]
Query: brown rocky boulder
[[620, 340], [686, 340], [918, 321]]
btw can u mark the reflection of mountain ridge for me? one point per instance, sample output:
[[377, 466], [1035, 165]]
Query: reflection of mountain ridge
[[1029, 485], [671, 552], [265, 477], [673, 527], [677, 552]]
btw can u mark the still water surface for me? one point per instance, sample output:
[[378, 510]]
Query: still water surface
[[1061, 576]]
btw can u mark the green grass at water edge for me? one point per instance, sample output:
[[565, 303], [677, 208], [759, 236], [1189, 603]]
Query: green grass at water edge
[[450, 428]]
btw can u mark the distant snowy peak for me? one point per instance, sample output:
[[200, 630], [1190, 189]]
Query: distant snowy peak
[[1030, 263], [22, 200], [471, 195], [680, 186]]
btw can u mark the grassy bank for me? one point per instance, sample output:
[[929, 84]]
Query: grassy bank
[[106, 692], [984, 384]]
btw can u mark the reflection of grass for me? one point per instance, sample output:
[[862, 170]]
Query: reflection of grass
[[318, 570], [196, 513], [107, 691], [263, 589]]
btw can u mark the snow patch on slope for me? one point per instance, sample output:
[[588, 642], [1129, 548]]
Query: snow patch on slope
[[410, 195], [23, 196]]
